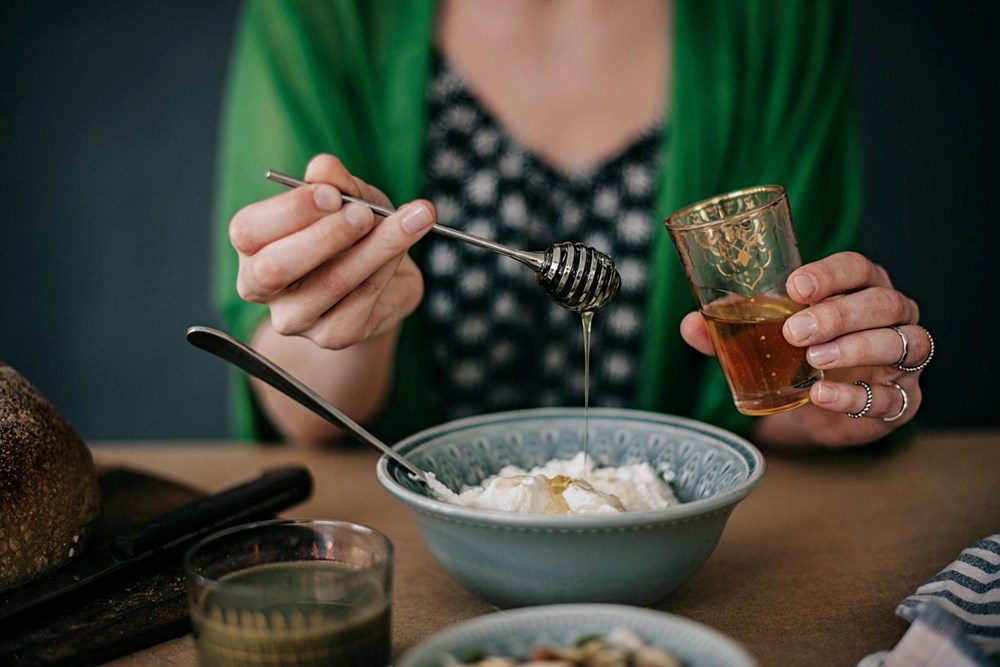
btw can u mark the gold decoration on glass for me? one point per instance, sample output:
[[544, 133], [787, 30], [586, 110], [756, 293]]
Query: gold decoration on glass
[[739, 252]]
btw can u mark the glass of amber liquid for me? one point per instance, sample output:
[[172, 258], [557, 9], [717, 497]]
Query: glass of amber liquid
[[737, 250], [291, 592]]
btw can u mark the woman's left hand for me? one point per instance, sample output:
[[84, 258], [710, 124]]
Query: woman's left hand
[[864, 335]]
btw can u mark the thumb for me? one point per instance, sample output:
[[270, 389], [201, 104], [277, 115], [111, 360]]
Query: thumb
[[695, 333]]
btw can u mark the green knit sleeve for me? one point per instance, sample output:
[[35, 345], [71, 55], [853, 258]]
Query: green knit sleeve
[[279, 110], [810, 140], [345, 77]]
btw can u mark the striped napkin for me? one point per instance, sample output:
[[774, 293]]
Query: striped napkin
[[955, 615]]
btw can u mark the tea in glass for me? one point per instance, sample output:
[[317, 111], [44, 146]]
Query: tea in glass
[[738, 250], [298, 593]]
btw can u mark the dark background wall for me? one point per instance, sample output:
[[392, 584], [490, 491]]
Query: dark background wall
[[108, 134]]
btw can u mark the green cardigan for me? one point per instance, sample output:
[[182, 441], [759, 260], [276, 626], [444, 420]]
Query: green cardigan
[[762, 93]]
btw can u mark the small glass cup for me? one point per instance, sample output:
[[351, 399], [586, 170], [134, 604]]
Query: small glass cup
[[291, 592], [737, 250]]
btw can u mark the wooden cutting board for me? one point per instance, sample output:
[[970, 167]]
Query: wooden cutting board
[[123, 613]]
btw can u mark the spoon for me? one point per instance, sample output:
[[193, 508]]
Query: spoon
[[226, 347], [574, 275]]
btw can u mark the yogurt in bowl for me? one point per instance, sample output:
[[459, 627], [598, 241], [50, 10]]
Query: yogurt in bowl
[[566, 486]]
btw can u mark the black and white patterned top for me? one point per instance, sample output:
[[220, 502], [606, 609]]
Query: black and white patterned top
[[497, 341]]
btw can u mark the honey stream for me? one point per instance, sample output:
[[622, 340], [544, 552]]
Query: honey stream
[[587, 318]]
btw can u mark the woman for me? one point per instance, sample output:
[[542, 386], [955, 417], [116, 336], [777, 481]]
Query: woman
[[534, 122]]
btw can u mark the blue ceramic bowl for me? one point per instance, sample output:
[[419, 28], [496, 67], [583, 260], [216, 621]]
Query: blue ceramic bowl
[[514, 633], [515, 559]]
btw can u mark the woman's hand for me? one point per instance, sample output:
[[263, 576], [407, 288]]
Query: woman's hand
[[329, 274], [855, 327], [324, 268]]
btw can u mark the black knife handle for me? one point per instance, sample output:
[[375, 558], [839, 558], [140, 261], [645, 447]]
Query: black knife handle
[[274, 490]]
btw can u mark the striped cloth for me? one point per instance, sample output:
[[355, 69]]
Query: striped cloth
[[955, 615]]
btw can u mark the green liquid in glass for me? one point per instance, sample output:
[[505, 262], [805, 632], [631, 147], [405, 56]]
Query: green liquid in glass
[[312, 613]]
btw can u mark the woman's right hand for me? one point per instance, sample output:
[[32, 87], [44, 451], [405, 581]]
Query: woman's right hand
[[325, 270]]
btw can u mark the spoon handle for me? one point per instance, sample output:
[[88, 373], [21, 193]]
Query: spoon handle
[[535, 260], [226, 347]]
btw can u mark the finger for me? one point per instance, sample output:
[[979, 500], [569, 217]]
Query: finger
[[695, 333], [332, 324], [326, 168], [851, 399], [288, 259], [266, 221], [869, 308], [370, 310], [384, 244], [875, 347], [837, 274], [326, 286]]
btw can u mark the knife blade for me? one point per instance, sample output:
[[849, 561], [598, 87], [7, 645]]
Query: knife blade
[[274, 490]]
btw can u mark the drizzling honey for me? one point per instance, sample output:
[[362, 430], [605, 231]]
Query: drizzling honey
[[587, 318]]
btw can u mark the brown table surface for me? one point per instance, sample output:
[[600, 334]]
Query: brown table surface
[[809, 570]]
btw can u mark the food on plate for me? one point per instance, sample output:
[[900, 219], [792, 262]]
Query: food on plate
[[619, 648], [49, 494], [570, 486]]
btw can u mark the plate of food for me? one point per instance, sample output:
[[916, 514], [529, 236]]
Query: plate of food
[[578, 635]]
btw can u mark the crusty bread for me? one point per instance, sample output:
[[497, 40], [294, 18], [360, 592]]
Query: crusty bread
[[49, 496]]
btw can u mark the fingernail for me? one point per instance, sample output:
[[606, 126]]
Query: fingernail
[[326, 198], [820, 355], [801, 326], [416, 218], [358, 216], [805, 285], [825, 393]]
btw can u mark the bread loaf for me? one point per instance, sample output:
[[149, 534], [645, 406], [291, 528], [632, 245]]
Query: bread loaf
[[49, 495]]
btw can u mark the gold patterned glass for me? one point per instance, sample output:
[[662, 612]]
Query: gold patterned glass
[[737, 250]]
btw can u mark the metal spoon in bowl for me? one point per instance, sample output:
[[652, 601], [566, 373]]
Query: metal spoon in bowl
[[575, 276], [226, 347]]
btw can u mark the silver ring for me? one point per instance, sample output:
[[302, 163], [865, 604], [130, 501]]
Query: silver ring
[[906, 346], [868, 401], [923, 364], [906, 402]]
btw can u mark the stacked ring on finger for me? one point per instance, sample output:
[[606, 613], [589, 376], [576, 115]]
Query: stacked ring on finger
[[906, 346], [906, 349], [869, 399], [906, 402]]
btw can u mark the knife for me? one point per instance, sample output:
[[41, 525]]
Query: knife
[[274, 490]]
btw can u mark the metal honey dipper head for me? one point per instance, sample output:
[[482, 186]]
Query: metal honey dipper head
[[578, 277]]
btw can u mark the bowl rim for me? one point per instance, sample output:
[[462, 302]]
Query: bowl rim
[[672, 514], [578, 612]]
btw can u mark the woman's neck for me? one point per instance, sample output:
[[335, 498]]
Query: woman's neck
[[574, 80]]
